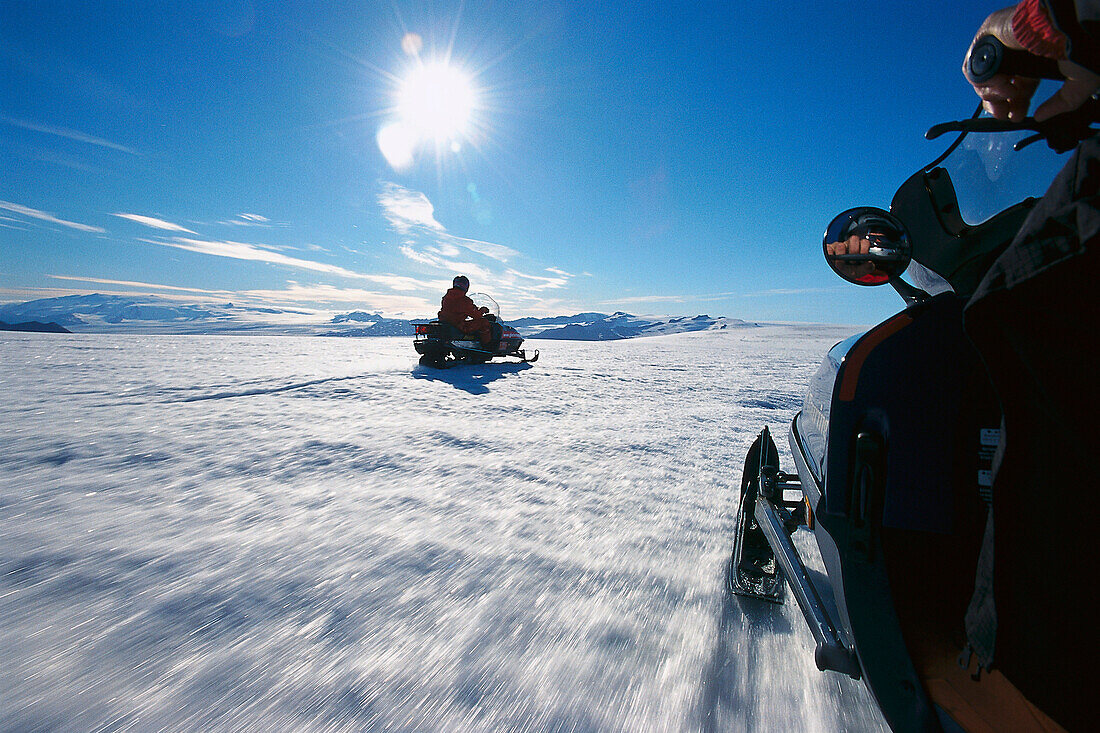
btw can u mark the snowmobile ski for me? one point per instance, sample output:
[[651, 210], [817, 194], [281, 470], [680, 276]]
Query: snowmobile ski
[[753, 571]]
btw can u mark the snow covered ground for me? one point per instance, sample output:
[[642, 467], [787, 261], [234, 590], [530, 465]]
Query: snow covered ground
[[209, 533]]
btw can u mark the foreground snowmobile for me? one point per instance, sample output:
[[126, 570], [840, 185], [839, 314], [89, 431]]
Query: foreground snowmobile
[[893, 448], [441, 345]]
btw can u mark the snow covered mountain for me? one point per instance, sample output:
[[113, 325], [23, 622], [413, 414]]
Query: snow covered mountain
[[151, 314], [624, 325], [148, 313], [371, 324]]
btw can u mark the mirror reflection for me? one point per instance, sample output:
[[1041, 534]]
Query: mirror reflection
[[867, 246]]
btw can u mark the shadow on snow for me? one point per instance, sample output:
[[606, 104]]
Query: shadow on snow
[[472, 378], [735, 674]]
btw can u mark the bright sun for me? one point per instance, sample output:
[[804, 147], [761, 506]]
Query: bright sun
[[434, 106], [436, 101]]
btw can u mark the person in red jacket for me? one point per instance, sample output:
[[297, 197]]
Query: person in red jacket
[[459, 311]]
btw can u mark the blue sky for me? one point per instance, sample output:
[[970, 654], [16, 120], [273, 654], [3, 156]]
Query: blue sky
[[659, 158]]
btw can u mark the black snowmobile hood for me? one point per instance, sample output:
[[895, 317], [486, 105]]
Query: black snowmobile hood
[[811, 426]]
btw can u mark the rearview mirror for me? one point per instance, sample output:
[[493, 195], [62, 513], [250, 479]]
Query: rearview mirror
[[867, 246]]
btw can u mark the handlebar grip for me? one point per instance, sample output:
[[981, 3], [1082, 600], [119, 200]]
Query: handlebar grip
[[990, 57]]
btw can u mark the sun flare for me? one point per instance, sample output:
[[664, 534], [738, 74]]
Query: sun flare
[[436, 100]]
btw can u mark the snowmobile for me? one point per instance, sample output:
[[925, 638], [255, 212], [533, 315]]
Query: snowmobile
[[442, 345], [893, 445]]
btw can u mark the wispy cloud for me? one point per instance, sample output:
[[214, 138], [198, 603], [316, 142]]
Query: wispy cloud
[[793, 291], [411, 213], [31, 293], [47, 217], [428, 244], [243, 251], [538, 282], [486, 249], [300, 295], [154, 223], [66, 133], [248, 220], [139, 285], [8, 222], [407, 210], [421, 257], [386, 303], [443, 259], [647, 299], [701, 297]]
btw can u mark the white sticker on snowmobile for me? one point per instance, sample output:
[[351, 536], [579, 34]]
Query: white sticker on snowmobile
[[991, 436], [985, 478]]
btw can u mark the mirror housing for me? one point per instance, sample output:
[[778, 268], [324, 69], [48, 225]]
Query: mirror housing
[[867, 246]]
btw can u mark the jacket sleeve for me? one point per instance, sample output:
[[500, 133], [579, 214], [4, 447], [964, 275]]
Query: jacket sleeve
[[1033, 28], [1079, 22], [468, 308]]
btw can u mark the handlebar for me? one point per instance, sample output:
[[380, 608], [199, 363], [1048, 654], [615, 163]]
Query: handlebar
[[1062, 132], [866, 257], [990, 57]]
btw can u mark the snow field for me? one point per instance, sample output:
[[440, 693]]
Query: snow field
[[311, 534]]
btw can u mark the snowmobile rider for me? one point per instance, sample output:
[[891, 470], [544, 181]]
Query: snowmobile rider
[[459, 311], [1030, 321]]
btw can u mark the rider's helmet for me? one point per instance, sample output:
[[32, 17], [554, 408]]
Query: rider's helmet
[[462, 283]]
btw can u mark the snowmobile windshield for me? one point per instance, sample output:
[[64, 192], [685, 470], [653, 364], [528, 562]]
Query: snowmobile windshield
[[481, 300], [990, 176]]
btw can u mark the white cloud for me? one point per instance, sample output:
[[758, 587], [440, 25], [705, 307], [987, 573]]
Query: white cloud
[[135, 284], [427, 243], [401, 283], [701, 297], [540, 282], [304, 296], [30, 293], [44, 216], [384, 303], [407, 210], [446, 250], [411, 214], [486, 249], [470, 269], [242, 251], [649, 299], [792, 291], [420, 257], [154, 223], [66, 133], [248, 220], [8, 222]]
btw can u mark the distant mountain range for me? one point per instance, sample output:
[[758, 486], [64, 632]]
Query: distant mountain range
[[600, 327], [150, 314]]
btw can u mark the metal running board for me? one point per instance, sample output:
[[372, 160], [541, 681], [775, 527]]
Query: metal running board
[[830, 652]]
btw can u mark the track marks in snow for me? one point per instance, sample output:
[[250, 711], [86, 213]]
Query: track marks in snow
[[263, 390]]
